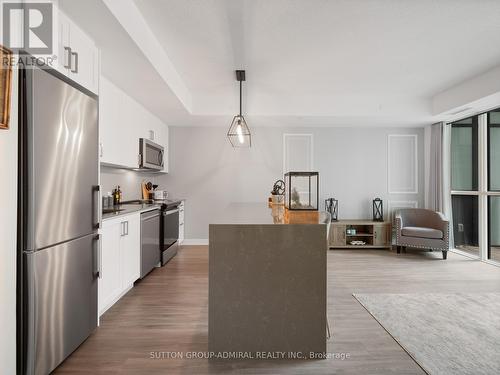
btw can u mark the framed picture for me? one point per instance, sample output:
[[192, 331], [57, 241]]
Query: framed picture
[[5, 87]]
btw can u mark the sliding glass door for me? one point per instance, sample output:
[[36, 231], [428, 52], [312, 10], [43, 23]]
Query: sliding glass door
[[464, 184], [475, 185], [494, 185]]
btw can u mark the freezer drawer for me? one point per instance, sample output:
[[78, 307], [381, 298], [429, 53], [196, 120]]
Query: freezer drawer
[[61, 303]]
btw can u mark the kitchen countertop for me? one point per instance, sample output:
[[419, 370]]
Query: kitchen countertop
[[129, 208]]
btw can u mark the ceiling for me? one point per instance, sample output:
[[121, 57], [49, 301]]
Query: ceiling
[[308, 62]]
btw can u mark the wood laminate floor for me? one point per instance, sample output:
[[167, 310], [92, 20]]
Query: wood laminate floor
[[167, 312]]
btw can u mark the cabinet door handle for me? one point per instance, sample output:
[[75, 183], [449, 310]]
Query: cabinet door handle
[[75, 70], [67, 57], [124, 228], [100, 149]]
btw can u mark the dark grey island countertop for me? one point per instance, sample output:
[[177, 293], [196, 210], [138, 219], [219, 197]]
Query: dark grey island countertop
[[260, 213]]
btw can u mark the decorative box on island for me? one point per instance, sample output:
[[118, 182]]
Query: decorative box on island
[[301, 197], [302, 191]]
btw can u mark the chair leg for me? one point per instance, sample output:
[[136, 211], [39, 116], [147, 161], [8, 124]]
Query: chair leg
[[398, 249], [445, 254], [404, 249]]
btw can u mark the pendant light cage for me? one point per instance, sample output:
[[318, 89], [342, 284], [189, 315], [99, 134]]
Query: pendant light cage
[[239, 134]]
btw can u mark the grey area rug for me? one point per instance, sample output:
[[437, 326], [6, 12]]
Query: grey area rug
[[444, 333]]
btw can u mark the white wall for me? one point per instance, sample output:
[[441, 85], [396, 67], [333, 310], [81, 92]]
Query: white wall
[[8, 228], [210, 174]]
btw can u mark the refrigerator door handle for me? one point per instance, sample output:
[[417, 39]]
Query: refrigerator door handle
[[96, 190], [98, 256]]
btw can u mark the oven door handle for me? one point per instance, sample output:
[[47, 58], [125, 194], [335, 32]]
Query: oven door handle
[[170, 212]]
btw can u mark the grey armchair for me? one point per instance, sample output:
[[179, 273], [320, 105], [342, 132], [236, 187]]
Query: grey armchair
[[416, 227]]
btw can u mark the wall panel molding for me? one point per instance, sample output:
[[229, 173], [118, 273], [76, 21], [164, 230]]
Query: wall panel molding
[[402, 163]]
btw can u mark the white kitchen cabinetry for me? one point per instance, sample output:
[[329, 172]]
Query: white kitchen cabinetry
[[119, 142], [181, 223], [109, 285], [130, 250], [120, 258], [122, 121], [77, 55]]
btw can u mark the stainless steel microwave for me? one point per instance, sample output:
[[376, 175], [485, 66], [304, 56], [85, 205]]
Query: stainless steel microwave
[[150, 155]]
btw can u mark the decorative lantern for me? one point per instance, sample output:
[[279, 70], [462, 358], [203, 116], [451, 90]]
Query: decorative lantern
[[332, 206], [378, 210], [302, 191]]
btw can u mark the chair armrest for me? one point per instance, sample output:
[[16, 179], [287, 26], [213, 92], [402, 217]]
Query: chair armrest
[[445, 228], [444, 223]]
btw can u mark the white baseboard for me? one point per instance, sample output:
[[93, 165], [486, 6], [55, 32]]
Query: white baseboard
[[195, 241]]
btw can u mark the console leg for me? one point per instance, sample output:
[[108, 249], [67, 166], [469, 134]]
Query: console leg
[[445, 254]]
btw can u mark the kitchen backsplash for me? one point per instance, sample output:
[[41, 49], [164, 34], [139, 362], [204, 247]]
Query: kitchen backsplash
[[129, 181]]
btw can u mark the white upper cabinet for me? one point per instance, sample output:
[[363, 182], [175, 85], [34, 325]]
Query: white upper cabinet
[[122, 121], [84, 60], [119, 143], [63, 51], [78, 57]]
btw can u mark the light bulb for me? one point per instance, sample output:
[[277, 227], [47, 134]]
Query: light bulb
[[239, 131]]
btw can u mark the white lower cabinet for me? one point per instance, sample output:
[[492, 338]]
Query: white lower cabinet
[[120, 258], [109, 285], [130, 251]]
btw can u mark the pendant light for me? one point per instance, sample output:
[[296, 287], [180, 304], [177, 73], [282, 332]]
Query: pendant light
[[238, 133]]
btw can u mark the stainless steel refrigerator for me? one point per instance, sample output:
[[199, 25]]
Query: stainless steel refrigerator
[[58, 201]]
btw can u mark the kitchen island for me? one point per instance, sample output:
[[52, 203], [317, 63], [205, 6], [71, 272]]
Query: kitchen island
[[267, 283]]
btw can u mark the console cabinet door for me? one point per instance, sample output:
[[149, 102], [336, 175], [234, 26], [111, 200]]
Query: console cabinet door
[[381, 235], [337, 235]]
